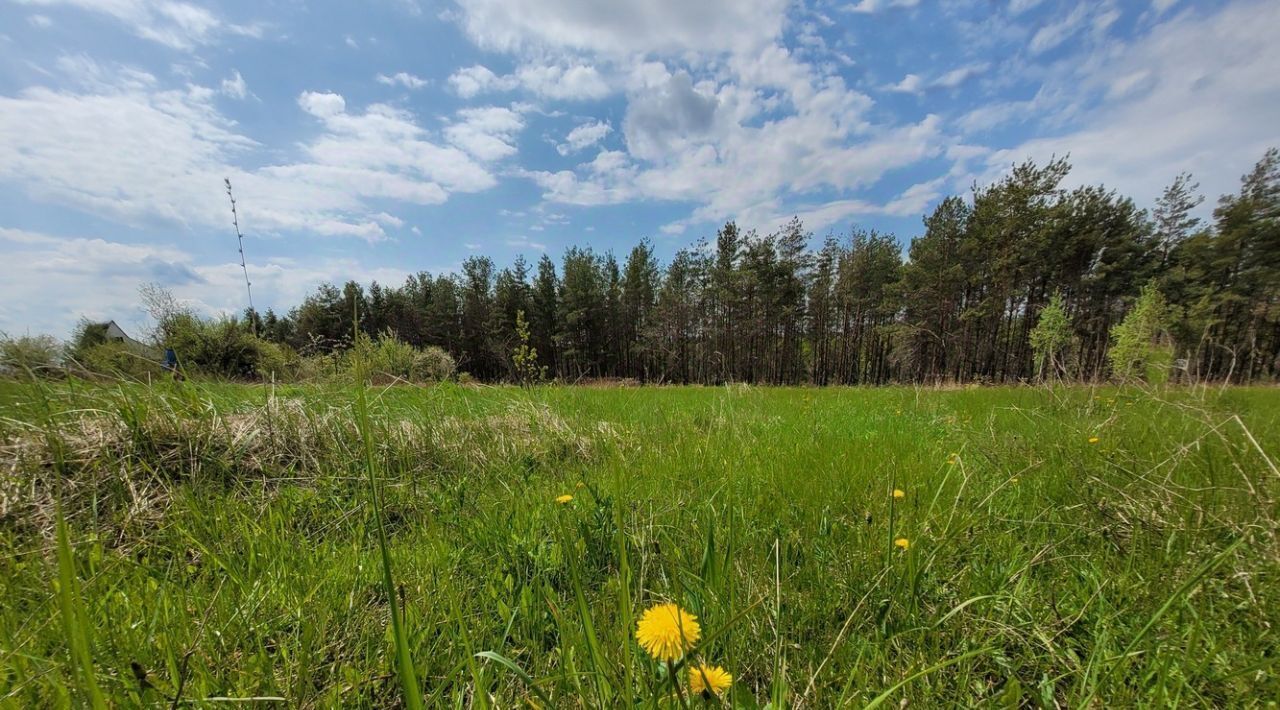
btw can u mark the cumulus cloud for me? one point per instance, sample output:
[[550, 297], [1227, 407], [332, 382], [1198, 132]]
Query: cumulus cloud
[[235, 86], [486, 133], [552, 81], [570, 82], [137, 152], [910, 84], [584, 135], [667, 114], [405, 79], [477, 79]]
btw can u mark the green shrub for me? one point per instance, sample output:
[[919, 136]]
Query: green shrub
[[389, 358], [222, 348], [278, 362], [119, 360], [35, 354], [1140, 344]]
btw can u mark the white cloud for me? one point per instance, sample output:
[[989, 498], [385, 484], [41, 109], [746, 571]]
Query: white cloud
[[624, 29], [870, 6], [234, 86], [1055, 33], [960, 75], [173, 23], [1018, 7], [487, 133], [1197, 94], [910, 84], [405, 79], [472, 81], [552, 81], [139, 153], [39, 21], [1162, 6], [584, 135]]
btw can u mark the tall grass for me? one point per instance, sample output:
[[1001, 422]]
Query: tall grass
[[217, 543]]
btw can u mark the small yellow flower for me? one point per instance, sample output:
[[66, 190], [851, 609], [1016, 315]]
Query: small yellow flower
[[1093, 440], [564, 499], [902, 542], [667, 632], [707, 680], [898, 494], [1013, 480]]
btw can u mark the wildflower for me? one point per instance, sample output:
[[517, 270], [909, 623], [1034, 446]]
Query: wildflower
[[902, 542], [666, 631], [898, 494], [1093, 440], [707, 680], [564, 499], [1013, 480]]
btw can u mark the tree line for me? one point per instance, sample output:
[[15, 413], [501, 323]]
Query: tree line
[[962, 304]]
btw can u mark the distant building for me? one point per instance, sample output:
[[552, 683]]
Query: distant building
[[111, 331]]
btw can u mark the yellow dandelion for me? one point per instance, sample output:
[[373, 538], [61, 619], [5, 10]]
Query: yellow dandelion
[[564, 499], [667, 632], [707, 680], [898, 494], [902, 542], [1013, 480], [1093, 440]]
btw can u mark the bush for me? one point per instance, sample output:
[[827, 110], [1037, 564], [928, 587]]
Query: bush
[[119, 360], [435, 365], [35, 354], [391, 358], [277, 362]]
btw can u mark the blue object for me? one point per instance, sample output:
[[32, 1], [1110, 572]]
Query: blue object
[[170, 359]]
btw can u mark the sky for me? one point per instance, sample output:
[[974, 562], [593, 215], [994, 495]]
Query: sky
[[374, 139]]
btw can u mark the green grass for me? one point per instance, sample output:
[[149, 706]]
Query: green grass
[[228, 542]]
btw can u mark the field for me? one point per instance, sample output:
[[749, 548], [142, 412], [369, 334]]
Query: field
[[1057, 548]]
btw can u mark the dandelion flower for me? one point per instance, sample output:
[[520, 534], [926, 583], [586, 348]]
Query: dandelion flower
[[902, 542], [707, 680], [898, 494], [666, 631], [564, 499], [1093, 440]]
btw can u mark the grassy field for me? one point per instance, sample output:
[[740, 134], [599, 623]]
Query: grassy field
[[1082, 547]]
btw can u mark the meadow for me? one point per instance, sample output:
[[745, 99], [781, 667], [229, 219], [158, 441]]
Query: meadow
[[319, 546]]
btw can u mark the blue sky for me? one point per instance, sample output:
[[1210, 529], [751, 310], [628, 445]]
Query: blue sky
[[369, 140]]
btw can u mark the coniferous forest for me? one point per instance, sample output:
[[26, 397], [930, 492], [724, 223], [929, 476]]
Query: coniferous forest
[[961, 302]]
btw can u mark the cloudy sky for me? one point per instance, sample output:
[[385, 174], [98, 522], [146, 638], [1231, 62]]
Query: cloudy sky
[[367, 140]]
